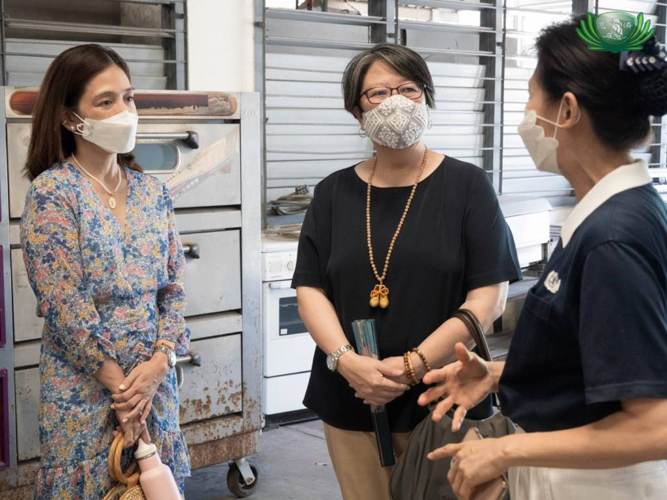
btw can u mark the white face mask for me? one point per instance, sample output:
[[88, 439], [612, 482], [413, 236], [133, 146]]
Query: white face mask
[[116, 134], [397, 123], [543, 150]]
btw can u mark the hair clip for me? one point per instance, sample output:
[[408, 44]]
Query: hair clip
[[652, 57]]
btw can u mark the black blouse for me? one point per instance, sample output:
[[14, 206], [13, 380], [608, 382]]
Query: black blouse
[[455, 239]]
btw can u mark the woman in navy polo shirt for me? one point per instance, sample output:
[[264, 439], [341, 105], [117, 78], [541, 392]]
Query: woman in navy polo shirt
[[586, 374]]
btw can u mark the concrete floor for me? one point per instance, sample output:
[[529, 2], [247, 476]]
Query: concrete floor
[[293, 465]]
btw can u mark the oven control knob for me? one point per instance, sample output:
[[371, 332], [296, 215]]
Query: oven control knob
[[290, 265]]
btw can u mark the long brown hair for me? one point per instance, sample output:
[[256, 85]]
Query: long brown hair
[[63, 85]]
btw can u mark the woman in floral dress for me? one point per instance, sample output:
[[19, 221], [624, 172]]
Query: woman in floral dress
[[104, 259]]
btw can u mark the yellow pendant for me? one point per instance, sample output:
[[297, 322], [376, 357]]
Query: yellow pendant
[[112, 202], [380, 296]]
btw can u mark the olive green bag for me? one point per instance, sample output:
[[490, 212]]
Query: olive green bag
[[415, 477]]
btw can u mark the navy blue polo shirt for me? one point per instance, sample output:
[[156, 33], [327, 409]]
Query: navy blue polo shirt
[[593, 331]]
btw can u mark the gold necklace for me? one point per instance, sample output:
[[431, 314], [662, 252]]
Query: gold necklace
[[380, 293], [112, 194]]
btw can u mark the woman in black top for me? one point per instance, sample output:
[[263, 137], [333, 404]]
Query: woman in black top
[[453, 250], [585, 376]]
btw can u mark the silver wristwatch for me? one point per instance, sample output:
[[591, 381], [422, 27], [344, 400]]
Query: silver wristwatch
[[171, 354], [332, 359]]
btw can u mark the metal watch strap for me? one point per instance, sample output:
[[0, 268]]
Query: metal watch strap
[[164, 343], [170, 353], [340, 351]]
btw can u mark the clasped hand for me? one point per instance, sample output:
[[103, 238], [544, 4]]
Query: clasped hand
[[371, 379], [134, 400]]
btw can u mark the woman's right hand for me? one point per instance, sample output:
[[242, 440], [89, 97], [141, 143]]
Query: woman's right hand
[[368, 378], [465, 383], [133, 428]]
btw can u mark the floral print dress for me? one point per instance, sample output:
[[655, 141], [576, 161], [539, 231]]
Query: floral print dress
[[104, 291]]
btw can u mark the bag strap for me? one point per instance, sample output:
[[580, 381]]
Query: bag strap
[[476, 332], [130, 477]]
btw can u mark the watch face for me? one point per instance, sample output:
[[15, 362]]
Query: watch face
[[331, 364], [172, 359]]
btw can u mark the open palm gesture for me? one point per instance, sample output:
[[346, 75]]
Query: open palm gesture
[[464, 383]]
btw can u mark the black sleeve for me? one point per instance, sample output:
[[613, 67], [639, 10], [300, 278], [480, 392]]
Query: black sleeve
[[490, 252], [623, 324], [307, 272]]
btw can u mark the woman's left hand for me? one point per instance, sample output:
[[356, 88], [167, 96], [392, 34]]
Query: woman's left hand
[[139, 387], [473, 463]]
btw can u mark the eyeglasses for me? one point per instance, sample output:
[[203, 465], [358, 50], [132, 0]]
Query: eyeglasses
[[378, 94]]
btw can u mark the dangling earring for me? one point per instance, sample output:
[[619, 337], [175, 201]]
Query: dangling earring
[[430, 122], [362, 133]]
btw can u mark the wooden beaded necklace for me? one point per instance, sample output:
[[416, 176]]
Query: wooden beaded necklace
[[380, 293]]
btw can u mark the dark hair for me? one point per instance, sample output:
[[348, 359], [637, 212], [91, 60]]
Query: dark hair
[[619, 103], [63, 85], [404, 60]]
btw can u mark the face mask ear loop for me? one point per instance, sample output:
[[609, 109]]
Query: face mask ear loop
[[78, 128], [557, 124]]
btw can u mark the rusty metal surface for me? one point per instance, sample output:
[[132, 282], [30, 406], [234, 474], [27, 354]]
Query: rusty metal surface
[[17, 478], [252, 406], [171, 103], [223, 450], [214, 388], [27, 412], [22, 493], [212, 430], [251, 246]]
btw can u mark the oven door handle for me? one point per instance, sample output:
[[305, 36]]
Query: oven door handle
[[189, 138], [191, 250], [192, 359], [280, 285]]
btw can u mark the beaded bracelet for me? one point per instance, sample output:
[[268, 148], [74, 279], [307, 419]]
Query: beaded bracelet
[[409, 369], [423, 358]]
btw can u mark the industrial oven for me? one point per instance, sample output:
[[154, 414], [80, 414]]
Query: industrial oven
[[219, 217]]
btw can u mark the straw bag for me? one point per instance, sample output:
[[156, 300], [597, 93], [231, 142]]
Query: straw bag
[[129, 488], [415, 477]]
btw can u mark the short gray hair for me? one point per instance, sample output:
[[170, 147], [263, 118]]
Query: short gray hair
[[404, 60]]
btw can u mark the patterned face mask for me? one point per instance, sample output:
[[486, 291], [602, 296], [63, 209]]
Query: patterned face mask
[[397, 123]]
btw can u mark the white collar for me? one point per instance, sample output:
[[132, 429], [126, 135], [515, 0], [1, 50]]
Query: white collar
[[621, 179]]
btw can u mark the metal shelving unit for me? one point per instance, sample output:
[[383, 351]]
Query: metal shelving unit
[[468, 80], [155, 48]]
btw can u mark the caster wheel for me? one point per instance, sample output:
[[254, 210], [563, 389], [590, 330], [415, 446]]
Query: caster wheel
[[236, 483]]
